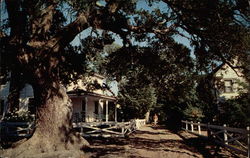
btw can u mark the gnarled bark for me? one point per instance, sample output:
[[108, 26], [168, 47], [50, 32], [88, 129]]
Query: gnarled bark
[[53, 131]]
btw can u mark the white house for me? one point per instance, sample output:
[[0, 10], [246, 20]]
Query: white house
[[89, 104], [229, 82]]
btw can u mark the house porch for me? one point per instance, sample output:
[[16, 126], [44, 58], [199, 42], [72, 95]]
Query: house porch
[[89, 108]]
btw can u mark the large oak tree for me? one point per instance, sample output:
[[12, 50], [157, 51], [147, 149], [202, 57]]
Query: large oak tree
[[36, 41]]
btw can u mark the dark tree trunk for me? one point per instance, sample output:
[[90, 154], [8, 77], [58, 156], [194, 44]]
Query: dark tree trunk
[[53, 118], [15, 88], [53, 131], [38, 58]]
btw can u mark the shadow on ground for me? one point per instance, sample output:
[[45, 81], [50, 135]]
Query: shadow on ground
[[207, 147], [120, 146]]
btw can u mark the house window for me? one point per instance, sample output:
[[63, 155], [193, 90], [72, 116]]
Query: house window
[[83, 113], [96, 107], [31, 106], [228, 84], [1, 106], [83, 105], [104, 107]]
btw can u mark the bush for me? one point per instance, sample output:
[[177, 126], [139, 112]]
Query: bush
[[193, 113], [236, 112], [19, 116]]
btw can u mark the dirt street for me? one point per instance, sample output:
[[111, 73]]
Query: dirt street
[[154, 142]]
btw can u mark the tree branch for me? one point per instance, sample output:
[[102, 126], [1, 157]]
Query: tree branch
[[68, 33], [15, 20], [41, 23], [142, 29], [166, 30]]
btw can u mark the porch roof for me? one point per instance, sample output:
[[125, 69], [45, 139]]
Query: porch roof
[[81, 92]]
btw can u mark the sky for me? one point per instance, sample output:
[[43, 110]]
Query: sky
[[141, 5]]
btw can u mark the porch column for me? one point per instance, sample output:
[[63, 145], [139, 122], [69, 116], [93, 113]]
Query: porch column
[[115, 113], [86, 110], [107, 110], [99, 115]]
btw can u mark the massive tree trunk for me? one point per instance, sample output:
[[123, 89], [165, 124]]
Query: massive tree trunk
[[53, 131], [38, 51]]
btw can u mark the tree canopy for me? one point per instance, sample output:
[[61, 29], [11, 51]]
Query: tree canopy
[[36, 35]]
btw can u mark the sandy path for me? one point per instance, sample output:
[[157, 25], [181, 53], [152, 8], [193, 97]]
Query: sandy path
[[150, 142]]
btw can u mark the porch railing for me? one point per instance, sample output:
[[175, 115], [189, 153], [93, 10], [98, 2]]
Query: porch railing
[[16, 129], [82, 117]]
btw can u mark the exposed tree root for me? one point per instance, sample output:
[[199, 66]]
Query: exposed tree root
[[40, 147], [53, 134]]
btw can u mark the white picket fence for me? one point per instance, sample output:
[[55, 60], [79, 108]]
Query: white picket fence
[[237, 139], [140, 123], [109, 129]]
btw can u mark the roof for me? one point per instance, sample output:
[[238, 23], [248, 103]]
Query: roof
[[81, 92]]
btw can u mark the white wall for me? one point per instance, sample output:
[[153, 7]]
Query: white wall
[[25, 94], [227, 73], [90, 115], [4, 91]]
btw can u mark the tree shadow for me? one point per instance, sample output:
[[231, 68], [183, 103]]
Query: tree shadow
[[207, 147], [181, 152], [158, 127], [99, 151], [116, 146], [101, 146], [188, 146], [152, 133]]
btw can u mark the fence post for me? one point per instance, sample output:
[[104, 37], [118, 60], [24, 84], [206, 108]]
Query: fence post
[[248, 141], [192, 126], [199, 128], [186, 125], [123, 126], [137, 125], [81, 130], [123, 130], [208, 130], [225, 135]]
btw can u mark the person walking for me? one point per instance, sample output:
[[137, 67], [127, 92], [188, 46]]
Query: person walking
[[155, 118]]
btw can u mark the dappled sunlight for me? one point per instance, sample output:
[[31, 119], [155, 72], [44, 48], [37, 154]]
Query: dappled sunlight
[[153, 142]]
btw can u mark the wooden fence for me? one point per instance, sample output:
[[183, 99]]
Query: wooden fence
[[108, 129], [16, 129], [139, 123], [237, 139]]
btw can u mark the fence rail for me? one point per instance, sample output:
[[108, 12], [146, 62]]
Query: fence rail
[[139, 123], [108, 129], [237, 139], [16, 129]]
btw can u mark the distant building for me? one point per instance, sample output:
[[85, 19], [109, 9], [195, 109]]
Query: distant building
[[229, 82], [91, 99]]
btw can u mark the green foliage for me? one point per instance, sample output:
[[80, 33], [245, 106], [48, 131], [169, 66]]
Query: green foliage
[[236, 112], [161, 70], [19, 116], [136, 99], [193, 113]]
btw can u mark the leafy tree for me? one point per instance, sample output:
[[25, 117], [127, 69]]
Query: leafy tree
[[236, 112], [136, 99], [193, 113], [37, 39]]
